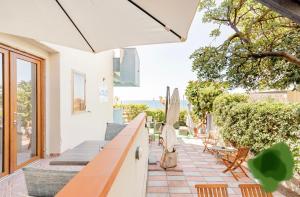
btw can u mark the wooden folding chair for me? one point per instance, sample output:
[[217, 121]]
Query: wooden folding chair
[[209, 140], [212, 190], [253, 190], [232, 163]]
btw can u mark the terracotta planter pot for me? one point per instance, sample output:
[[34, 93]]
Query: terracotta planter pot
[[196, 132]]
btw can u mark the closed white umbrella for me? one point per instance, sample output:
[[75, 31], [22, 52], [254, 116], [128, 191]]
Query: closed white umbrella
[[98, 25], [168, 133], [189, 120]]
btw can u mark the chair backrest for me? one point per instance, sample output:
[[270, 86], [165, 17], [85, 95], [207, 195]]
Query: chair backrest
[[242, 154], [212, 190], [253, 190]]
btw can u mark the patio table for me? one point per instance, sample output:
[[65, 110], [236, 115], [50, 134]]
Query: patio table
[[81, 154], [222, 149]]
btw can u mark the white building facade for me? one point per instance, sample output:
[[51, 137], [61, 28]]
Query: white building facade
[[56, 127]]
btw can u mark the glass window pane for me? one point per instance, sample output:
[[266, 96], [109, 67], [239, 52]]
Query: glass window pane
[[26, 111]]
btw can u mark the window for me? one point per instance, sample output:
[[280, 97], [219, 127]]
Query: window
[[79, 97]]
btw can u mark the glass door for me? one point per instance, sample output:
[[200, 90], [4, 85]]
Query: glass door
[[24, 110], [4, 110]]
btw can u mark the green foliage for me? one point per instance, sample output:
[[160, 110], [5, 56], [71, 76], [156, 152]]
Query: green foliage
[[202, 95], [223, 104], [262, 52], [182, 117], [158, 115], [262, 124], [132, 110], [24, 94]]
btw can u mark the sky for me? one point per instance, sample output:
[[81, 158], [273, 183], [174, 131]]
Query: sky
[[163, 65]]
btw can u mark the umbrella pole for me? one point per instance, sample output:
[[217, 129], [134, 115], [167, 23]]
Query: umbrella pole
[[167, 103]]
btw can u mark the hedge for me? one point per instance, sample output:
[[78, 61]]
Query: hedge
[[182, 118], [262, 124], [132, 110], [223, 103], [157, 114]]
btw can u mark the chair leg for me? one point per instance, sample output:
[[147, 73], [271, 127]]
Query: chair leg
[[234, 176], [226, 170], [243, 170], [230, 170], [228, 167]]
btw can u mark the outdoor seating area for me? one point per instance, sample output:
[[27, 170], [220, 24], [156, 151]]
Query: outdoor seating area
[[197, 170], [173, 98], [48, 176]]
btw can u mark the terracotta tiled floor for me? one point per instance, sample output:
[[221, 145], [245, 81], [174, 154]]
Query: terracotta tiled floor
[[197, 168]]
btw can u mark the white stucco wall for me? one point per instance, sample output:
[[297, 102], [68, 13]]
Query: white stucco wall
[[89, 125], [63, 129], [133, 171]]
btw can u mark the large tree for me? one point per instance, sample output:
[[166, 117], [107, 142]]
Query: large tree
[[262, 52]]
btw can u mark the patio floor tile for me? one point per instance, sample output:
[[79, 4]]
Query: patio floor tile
[[157, 183], [193, 174], [157, 189], [172, 173], [181, 195], [157, 178], [176, 178], [158, 195], [157, 173], [179, 190], [177, 183], [195, 178]]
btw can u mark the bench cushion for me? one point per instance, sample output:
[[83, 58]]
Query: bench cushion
[[42, 182], [113, 129]]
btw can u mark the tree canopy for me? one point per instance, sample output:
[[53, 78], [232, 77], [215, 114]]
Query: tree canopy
[[262, 52], [202, 95]]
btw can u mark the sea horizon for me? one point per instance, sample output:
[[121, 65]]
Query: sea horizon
[[153, 104]]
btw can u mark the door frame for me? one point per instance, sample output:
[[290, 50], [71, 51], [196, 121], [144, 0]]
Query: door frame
[[10, 143], [5, 81]]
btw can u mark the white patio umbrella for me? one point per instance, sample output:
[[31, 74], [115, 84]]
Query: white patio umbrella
[[98, 25], [189, 120], [168, 133]]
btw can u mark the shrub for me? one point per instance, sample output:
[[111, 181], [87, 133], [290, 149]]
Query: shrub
[[262, 124], [132, 110], [157, 114], [182, 117], [223, 104]]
